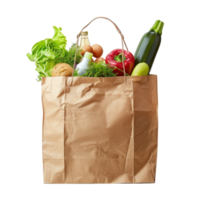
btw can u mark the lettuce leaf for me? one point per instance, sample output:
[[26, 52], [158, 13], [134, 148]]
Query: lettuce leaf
[[49, 52]]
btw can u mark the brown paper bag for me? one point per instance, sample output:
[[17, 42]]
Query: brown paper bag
[[99, 130]]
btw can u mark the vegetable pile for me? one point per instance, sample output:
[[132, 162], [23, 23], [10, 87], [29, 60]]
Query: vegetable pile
[[50, 55], [108, 66], [49, 52], [98, 69]]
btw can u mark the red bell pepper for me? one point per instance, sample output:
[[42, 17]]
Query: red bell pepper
[[114, 59]]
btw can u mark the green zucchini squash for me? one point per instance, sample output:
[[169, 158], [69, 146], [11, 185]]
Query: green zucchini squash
[[149, 45]]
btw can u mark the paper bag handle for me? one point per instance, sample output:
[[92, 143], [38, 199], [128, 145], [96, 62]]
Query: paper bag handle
[[122, 40]]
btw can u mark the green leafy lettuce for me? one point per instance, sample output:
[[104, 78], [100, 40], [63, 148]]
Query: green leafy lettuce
[[49, 52]]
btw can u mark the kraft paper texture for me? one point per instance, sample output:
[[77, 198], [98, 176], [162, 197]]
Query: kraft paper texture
[[100, 130]]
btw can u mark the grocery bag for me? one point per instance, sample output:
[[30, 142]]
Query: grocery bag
[[100, 130]]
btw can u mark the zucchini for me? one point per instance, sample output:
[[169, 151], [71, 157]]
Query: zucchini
[[149, 45]]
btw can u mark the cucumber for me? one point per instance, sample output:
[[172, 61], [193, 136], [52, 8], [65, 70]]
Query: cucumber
[[149, 45], [139, 44]]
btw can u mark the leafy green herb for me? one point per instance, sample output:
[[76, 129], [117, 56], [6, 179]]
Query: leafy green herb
[[100, 69], [49, 52]]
